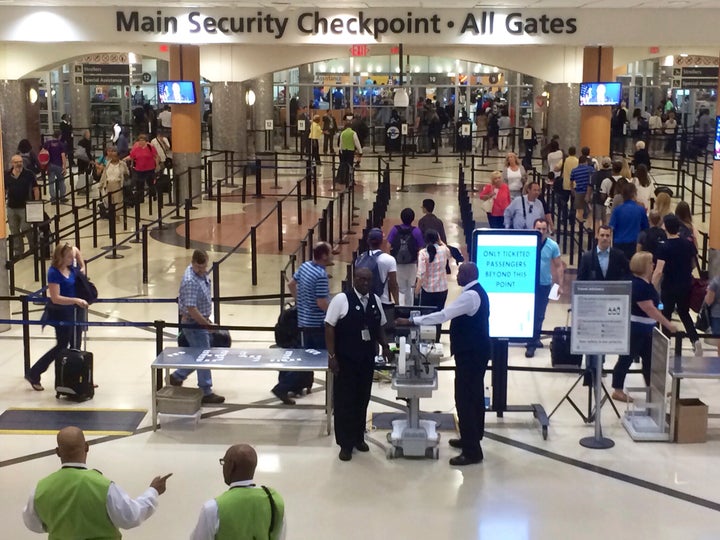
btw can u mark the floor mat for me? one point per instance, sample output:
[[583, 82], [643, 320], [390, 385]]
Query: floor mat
[[50, 421], [445, 421]]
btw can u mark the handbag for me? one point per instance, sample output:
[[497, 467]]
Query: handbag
[[703, 319], [84, 288], [698, 288], [487, 205]]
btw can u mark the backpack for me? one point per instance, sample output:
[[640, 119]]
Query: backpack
[[403, 247], [370, 261], [654, 236], [43, 158], [287, 334]]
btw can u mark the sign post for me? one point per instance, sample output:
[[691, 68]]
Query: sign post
[[601, 325]]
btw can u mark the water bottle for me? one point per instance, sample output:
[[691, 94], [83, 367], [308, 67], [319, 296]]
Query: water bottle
[[487, 397]]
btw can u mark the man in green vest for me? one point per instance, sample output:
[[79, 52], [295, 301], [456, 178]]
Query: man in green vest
[[76, 502], [349, 145], [245, 511]]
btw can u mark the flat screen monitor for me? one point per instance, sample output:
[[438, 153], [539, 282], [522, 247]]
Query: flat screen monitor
[[600, 93], [176, 92], [508, 269], [716, 153]]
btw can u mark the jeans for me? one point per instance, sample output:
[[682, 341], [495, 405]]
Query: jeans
[[17, 225], [496, 222], [406, 275], [56, 181], [141, 178], [65, 337], [541, 302], [199, 338]]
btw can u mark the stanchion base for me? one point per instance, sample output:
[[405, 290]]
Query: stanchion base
[[209, 198], [350, 232], [134, 241], [117, 248], [402, 190], [307, 197], [258, 196], [193, 208], [275, 187], [160, 228], [473, 189], [178, 218], [600, 444], [115, 256]]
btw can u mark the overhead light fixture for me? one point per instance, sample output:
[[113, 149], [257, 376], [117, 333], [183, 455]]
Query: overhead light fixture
[[32, 95], [250, 98]]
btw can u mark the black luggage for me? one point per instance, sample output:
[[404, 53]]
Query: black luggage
[[287, 333], [218, 338], [74, 374], [296, 381], [560, 347]]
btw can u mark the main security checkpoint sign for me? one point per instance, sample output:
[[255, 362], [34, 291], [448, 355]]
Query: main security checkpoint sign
[[600, 317]]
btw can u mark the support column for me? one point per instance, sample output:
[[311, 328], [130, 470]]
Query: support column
[[20, 118], [714, 230], [4, 280], [230, 118], [595, 121], [186, 119], [564, 113], [263, 108]]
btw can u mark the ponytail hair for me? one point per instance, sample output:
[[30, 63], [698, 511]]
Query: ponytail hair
[[431, 238]]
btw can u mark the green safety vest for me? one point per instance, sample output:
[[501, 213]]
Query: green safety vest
[[72, 504], [245, 513], [347, 141]]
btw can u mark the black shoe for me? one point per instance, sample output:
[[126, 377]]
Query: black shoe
[[530, 352], [213, 399], [175, 380], [462, 460], [362, 446], [455, 443], [345, 454], [283, 397]]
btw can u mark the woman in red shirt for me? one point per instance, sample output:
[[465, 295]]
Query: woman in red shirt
[[498, 192], [145, 161]]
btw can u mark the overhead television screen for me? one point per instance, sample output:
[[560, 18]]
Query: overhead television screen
[[508, 269], [716, 153], [176, 92], [600, 93]]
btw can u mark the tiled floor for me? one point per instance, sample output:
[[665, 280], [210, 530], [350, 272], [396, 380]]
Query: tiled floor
[[527, 487]]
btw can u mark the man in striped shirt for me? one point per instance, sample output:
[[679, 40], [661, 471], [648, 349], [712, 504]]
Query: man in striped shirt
[[580, 178], [310, 287]]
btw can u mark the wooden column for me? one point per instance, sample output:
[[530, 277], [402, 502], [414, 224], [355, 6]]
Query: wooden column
[[186, 119], [595, 120]]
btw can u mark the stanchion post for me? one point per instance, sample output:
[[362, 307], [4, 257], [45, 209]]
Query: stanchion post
[[314, 183], [159, 345], [275, 169], [188, 205], [209, 178], [279, 226], [137, 238], [253, 254], [216, 291], [310, 243], [37, 255], [144, 254], [244, 184], [331, 222], [308, 179], [218, 202], [189, 188], [71, 176], [94, 223], [76, 225], [25, 307], [113, 239], [298, 193], [258, 179]]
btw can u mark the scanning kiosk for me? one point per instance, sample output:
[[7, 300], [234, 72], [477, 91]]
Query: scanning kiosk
[[415, 378]]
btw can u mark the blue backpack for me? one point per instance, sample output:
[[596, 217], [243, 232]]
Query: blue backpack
[[370, 261]]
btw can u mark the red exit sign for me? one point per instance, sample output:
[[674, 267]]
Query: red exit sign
[[359, 50]]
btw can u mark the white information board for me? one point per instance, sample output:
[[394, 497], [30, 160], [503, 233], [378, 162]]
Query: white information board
[[269, 125], [465, 130], [301, 125], [600, 317], [404, 129]]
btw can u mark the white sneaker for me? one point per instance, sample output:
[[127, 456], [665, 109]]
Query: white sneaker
[[698, 348]]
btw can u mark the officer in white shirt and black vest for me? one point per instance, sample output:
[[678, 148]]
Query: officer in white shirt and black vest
[[470, 345], [353, 330]]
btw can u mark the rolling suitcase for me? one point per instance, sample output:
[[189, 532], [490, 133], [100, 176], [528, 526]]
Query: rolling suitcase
[[74, 373], [560, 347]]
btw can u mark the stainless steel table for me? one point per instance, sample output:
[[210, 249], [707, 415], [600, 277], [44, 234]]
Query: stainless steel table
[[245, 359], [689, 367]]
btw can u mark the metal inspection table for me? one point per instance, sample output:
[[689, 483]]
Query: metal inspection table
[[245, 359], [689, 367]]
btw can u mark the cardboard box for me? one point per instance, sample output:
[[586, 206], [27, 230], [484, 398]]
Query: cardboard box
[[179, 400], [691, 421]]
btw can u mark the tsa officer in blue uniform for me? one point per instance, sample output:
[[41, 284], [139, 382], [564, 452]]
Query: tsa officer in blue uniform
[[353, 330], [469, 318]]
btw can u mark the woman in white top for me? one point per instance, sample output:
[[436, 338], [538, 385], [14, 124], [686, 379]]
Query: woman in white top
[[514, 175], [670, 131], [432, 284], [113, 178], [645, 187]]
